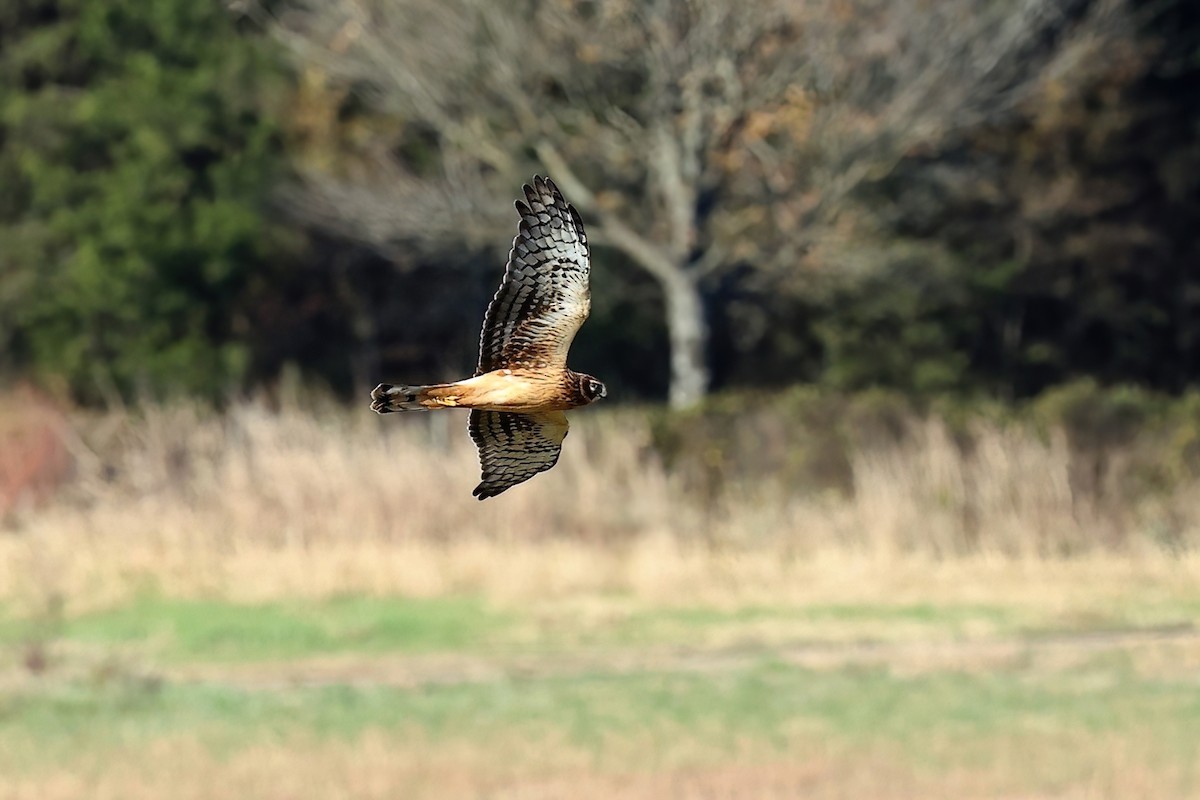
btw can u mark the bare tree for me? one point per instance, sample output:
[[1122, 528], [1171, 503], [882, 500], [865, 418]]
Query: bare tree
[[694, 134]]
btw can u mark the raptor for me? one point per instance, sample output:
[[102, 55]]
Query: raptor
[[522, 385]]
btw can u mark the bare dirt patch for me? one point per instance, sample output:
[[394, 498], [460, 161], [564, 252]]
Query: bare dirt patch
[[1176, 649]]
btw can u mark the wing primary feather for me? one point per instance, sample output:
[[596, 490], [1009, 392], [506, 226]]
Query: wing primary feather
[[545, 295], [514, 447]]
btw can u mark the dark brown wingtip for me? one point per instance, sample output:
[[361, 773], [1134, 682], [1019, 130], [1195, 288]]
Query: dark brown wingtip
[[541, 187], [482, 492]]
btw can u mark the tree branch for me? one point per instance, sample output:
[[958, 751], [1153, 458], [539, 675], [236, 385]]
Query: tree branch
[[563, 175], [710, 262], [644, 252]]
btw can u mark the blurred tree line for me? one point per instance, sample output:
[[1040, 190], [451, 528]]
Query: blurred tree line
[[138, 142], [972, 196]]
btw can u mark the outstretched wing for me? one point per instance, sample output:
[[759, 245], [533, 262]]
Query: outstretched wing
[[515, 447], [544, 297]]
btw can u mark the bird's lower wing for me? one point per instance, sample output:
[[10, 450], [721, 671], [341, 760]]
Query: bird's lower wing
[[515, 447]]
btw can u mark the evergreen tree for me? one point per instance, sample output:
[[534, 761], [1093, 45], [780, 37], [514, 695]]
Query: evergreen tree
[[137, 148]]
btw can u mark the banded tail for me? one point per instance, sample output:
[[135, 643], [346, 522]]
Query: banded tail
[[386, 398]]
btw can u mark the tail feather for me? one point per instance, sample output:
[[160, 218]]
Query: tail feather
[[386, 398]]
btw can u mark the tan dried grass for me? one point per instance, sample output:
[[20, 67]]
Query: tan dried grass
[[381, 765], [259, 504]]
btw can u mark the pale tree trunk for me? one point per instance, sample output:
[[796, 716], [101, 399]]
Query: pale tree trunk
[[687, 324], [687, 329]]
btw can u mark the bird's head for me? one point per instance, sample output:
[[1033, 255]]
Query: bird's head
[[591, 389]]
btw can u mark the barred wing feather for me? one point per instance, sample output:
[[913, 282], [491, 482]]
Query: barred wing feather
[[514, 447], [544, 297]]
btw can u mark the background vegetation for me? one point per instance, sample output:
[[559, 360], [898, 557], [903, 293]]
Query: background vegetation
[[986, 200], [896, 494]]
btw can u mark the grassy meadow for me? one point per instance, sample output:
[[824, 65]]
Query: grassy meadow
[[307, 603]]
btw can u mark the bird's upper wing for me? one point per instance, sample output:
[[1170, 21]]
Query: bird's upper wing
[[544, 297], [515, 447]]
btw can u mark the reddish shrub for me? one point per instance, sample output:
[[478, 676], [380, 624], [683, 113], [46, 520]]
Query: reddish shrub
[[34, 460]]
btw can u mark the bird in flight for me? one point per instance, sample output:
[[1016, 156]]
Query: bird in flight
[[522, 385]]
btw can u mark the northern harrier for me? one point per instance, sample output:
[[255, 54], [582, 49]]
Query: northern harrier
[[522, 385]]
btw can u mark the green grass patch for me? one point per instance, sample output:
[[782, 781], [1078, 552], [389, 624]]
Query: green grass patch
[[176, 631], [768, 704], [656, 625], [215, 631]]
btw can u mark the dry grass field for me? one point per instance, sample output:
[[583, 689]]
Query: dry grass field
[[309, 604]]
